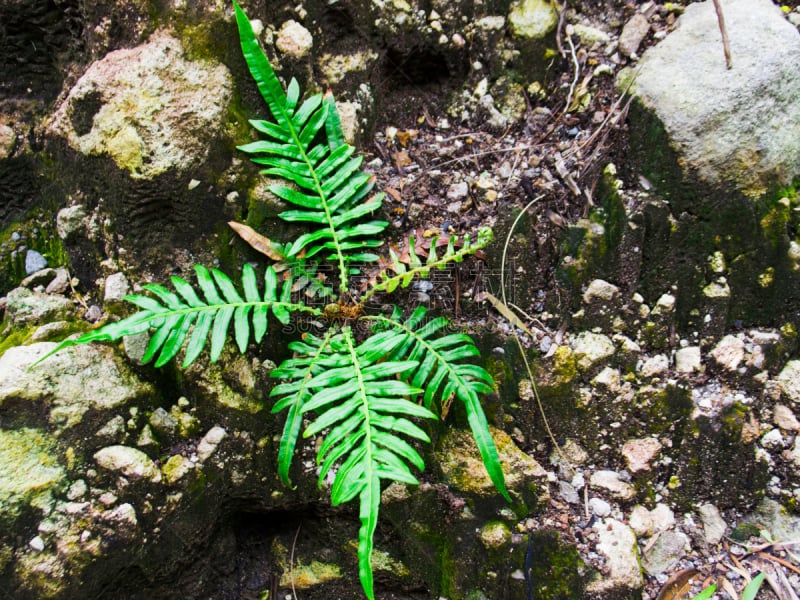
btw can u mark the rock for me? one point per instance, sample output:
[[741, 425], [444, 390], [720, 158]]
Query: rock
[[568, 493], [24, 306], [714, 525], [773, 517], [458, 191], [8, 141], [639, 453], [665, 553], [641, 521], [572, 451], [632, 34], [208, 445], [69, 383], [599, 507], [495, 535], [663, 517], [124, 517], [29, 472], [611, 482], [688, 360], [664, 305], [294, 39], [116, 288], [176, 467], [60, 283], [617, 542], [51, 331], [789, 378], [127, 461], [34, 262], [590, 35], [728, 352], [705, 107], [463, 468], [655, 366], [70, 221], [149, 108], [163, 422], [39, 277], [784, 418], [591, 349], [113, 430], [608, 378], [773, 440], [600, 291], [532, 19]]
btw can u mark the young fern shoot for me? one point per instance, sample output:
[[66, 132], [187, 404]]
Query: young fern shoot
[[367, 396]]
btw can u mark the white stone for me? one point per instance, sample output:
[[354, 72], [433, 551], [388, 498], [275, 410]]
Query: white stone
[[591, 349], [532, 19], [639, 453], [789, 378], [294, 39], [784, 418], [663, 517], [208, 445], [36, 543], [688, 360], [617, 542], [714, 525], [599, 507], [116, 288], [600, 291], [641, 521], [611, 482], [729, 352], [127, 461], [734, 126], [773, 440], [655, 365]]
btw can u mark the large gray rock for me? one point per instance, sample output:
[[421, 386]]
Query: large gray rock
[[736, 127], [149, 108], [69, 383]]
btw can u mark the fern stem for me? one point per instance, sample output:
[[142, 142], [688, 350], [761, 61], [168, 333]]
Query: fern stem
[[215, 307]]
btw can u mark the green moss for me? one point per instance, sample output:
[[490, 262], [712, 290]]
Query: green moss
[[15, 337], [29, 472], [555, 569], [35, 231]]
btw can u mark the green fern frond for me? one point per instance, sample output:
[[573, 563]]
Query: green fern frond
[[330, 193], [176, 316], [441, 373], [357, 398], [404, 275]]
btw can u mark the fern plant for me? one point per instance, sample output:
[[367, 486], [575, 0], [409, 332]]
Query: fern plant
[[366, 395]]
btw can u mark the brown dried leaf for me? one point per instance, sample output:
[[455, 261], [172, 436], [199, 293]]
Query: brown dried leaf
[[678, 585], [257, 241]]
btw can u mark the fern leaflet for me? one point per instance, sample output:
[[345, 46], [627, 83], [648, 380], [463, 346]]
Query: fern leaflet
[[440, 375], [404, 275], [357, 397], [176, 316], [330, 188]]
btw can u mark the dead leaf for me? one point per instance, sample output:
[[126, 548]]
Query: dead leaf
[[678, 585], [401, 159], [404, 137], [395, 194], [257, 241]]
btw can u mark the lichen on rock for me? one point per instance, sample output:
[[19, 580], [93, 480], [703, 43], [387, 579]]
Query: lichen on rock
[[149, 108]]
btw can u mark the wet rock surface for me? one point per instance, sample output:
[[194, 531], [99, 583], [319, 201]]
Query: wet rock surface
[[674, 413]]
